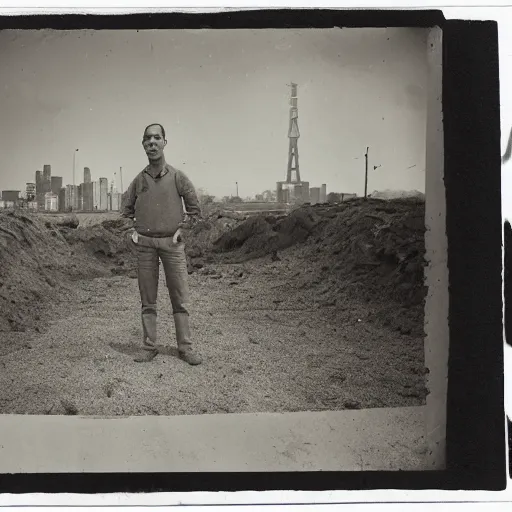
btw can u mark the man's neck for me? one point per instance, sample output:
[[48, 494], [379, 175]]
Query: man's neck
[[156, 166]]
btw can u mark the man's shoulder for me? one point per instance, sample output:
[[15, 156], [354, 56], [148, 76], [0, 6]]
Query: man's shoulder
[[173, 170], [139, 176]]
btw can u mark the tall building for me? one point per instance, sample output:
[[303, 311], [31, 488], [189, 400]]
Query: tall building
[[80, 194], [95, 195], [71, 197], [39, 190], [323, 193], [47, 178], [103, 194], [88, 203], [62, 199], [55, 184], [87, 175]]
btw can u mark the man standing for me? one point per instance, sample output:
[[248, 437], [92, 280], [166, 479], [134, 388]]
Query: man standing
[[154, 202]]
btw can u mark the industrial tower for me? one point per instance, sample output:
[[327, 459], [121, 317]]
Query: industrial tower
[[293, 189], [293, 172]]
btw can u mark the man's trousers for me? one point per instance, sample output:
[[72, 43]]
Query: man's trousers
[[149, 251]]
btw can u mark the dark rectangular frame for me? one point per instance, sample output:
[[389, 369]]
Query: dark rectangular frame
[[475, 434]]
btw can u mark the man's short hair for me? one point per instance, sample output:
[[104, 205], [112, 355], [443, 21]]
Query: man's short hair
[[155, 124]]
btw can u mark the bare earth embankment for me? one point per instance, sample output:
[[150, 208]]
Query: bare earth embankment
[[320, 310]]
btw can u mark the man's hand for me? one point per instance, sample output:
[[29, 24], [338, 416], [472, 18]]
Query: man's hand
[[177, 236], [189, 222]]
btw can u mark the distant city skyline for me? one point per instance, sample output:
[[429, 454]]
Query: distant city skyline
[[222, 96], [82, 179], [51, 193]]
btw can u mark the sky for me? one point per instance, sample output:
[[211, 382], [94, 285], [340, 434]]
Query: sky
[[223, 99]]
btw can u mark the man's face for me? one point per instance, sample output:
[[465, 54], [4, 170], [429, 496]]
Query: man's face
[[153, 142]]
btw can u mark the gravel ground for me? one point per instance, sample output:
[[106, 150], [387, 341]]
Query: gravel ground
[[265, 350]]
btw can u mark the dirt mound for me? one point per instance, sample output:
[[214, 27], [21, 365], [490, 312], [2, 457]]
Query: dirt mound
[[259, 236], [372, 250], [252, 227], [37, 263], [105, 240], [61, 221], [200, 239]]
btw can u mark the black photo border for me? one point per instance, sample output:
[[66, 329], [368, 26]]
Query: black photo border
[[475, 434]]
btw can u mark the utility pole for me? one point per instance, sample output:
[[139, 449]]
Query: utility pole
[[121, 178], [236, 188], [366, 174]]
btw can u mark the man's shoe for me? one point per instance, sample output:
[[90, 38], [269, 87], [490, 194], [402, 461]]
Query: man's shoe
[[190, 357], [146, 356], [185, 350]]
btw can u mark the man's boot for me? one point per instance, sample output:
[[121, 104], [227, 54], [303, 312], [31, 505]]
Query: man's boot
[[149, 350], [183, 338]]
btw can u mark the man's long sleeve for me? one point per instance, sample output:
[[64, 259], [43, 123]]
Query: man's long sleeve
[[128, 202], [188, 192]]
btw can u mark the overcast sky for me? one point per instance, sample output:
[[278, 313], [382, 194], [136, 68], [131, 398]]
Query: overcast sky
[[223, 98]]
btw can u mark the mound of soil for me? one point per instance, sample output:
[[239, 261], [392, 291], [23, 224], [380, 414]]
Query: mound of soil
[[37, 263], [373, 251], [201, 238], [370, 250], [105, 241], [259, 236]]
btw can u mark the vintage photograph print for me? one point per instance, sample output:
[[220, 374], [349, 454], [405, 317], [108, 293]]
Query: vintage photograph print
[[229, 245]]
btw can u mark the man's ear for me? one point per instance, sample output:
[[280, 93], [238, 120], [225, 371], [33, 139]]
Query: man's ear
[[165, 142]]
